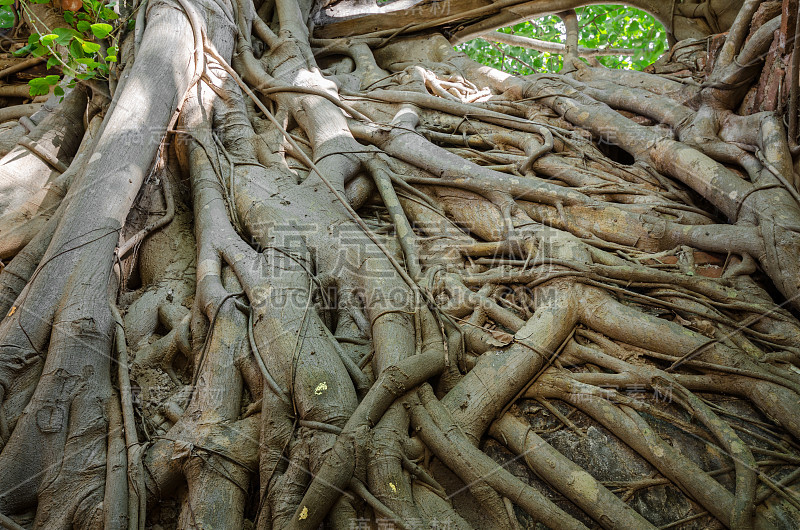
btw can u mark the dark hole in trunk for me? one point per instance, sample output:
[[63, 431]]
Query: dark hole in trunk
[[615, 153]]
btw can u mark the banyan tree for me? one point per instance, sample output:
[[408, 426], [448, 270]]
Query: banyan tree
[[297, 263]]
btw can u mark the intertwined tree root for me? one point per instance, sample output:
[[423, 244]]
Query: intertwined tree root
[[281, 281]]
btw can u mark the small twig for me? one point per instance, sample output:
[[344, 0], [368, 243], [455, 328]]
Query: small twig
[[271, 383], [563, 419], [9, 523], [34, 148], [358, 487], [27, 63], [126, 247], [512, 57], [137, 499]]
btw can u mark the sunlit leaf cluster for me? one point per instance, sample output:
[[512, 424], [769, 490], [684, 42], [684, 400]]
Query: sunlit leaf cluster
[[88, 40], [601, 26]]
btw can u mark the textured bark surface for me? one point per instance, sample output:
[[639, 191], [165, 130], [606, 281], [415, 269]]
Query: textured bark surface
[[303, 263]]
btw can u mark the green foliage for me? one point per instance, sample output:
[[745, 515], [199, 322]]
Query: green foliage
[[6, 14], [623, 27], [601, 26], [89, 38], [41, 85]]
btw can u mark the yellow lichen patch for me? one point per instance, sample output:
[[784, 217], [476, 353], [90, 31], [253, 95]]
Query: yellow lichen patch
[[320, 388], [402, 231], [584, 483], [13, 310], [303, 513], [394, 488]]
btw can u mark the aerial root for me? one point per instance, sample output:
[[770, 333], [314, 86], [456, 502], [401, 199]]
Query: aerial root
[[566, 271], [565, 476], [629, 427], [485, 479]]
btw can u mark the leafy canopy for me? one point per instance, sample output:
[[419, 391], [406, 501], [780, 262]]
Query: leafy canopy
[[601, 26], [89, 39]]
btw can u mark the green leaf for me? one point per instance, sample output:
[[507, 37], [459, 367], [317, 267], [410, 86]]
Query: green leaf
[[89, 47], [40, 86], [69, 17], [40, 1], [48, 39], [51, 62], [6, 2], [75, 49], [111, 58], [6, 17], [39, 50], [65, 35], [38, 90], [88, 61], [25, 50], [101, 30], [58, 91], [107, 14], [83, 26]]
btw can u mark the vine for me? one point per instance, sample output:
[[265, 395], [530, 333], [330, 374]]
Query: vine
[[85, 48]]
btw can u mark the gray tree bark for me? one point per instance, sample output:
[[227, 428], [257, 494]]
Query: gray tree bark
[[308, 264]]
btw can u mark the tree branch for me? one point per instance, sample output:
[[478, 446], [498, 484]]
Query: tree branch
[[551, 47]]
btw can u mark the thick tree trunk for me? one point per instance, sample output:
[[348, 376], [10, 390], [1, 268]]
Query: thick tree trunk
[[353, 278]]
